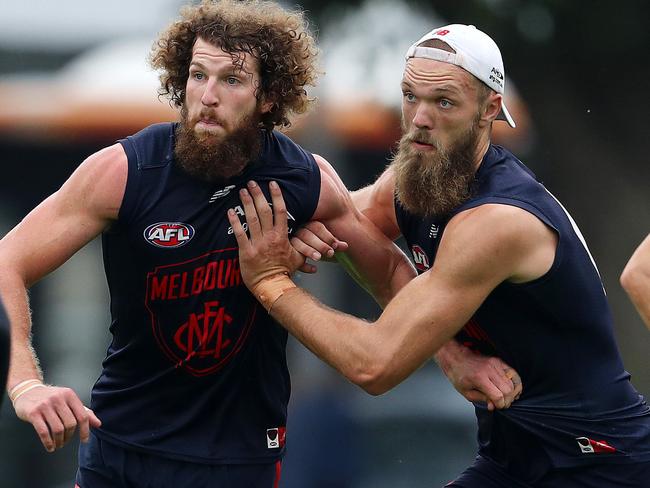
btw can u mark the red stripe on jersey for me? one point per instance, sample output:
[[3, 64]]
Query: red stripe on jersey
[[278, 469]]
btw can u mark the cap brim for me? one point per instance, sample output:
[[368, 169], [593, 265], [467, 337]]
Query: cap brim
[[505, 115]]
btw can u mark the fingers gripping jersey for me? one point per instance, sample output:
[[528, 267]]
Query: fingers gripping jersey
[[196, 369], [578, 405]]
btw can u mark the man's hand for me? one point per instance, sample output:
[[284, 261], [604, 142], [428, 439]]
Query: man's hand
[[55, 413], [479, 378], [267, 252], [315, 241]]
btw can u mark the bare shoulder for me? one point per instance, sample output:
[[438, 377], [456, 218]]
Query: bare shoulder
[[377, 202], [323, 164], [505, 241], [510, 219], [502, 223], [81, 209], [99, 182], [382, 190]]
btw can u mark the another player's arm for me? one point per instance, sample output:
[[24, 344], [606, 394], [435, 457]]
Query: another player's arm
[[476, 377], [635, 279], [47, 237], [481, 248], [377, 203], [372, 259]]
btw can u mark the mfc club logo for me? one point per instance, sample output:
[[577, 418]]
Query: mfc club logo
[[168, 234], [420, 258], [200, 311]]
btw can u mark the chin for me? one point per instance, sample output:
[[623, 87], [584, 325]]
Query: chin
[[215, 133], [202, 128]]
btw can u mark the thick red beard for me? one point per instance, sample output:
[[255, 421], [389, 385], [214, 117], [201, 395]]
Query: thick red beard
[[213, 158]]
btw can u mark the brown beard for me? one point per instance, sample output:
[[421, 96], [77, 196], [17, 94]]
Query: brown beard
[[434, 183], [214, 159]]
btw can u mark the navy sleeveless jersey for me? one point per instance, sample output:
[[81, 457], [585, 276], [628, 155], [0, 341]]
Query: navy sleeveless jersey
[[196, 369], [578, 405]]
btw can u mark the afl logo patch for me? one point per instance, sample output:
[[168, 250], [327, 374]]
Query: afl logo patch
[[168, 234]]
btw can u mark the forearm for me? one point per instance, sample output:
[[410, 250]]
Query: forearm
[[449, 354], [376, 356], [338, 339], [457, 363], [403, 274], [381, 279], [23, 363]]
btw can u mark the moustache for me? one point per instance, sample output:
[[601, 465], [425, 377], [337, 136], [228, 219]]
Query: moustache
[[421, 136], [208, 115]]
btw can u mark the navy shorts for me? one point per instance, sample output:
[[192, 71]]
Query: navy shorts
[[487, 474], [106, 465]]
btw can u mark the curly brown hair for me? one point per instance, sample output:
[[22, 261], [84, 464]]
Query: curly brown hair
[[279, 39]]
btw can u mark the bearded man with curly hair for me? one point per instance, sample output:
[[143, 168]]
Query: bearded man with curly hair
[[194, 386]]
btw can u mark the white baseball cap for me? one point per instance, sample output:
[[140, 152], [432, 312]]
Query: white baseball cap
[[476, 52]]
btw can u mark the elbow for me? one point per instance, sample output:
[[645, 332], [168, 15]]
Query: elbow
[[631, 278], [375, 388], [374, 377]]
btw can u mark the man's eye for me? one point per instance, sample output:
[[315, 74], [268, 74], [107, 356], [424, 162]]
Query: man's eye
[[409, 97]]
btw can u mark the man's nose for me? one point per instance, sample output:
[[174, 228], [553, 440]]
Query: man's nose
[[423, 118], [210, 96]]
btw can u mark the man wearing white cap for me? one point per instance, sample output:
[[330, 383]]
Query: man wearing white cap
[[502, 267], [194, 387]]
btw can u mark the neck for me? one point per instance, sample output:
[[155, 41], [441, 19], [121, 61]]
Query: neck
[[481, 148]]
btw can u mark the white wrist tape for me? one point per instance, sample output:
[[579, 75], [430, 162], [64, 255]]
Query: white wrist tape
[[23, 387]]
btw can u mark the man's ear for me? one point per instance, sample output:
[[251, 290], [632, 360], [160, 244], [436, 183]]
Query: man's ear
[[490, 109]]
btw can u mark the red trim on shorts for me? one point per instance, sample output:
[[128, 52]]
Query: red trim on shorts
[[278, 469]]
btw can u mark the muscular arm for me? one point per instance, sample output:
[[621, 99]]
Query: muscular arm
[[80, 210], [476, 377], [481, 248], [635, 279], [372, 259]]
